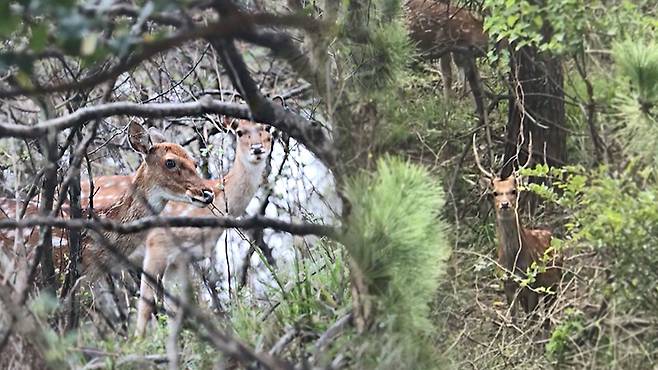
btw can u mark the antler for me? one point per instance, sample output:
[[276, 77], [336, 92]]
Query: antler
[[488, 174], [527, 162]]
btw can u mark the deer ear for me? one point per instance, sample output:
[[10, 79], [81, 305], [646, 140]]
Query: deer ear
[[139, 138], [156, 136]]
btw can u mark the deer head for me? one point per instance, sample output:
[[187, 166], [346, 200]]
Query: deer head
[[504, 191], [254, 141], [168, 171]]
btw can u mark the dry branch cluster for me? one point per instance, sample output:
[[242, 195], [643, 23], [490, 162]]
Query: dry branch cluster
[[66, 123]]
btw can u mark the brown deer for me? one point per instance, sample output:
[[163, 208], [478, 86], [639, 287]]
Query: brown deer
[[441, 30], [167, 172], [518, 247], [233, 194]]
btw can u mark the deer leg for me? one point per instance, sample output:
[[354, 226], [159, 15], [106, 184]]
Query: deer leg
[[155, 263], [446, 74], [475, 82], [532, 301], [463, 69], [510, 294]]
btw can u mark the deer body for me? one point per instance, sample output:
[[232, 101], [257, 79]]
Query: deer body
[[443, 30], [167, 173], [519, 248], [233, 194]]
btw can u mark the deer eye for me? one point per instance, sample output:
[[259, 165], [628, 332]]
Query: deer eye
[[169, 163], [239, 133], [513, 192], [495, 193]]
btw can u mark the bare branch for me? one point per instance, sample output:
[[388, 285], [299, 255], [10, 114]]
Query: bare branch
[[227, 27], [254, 222], [151, 110]]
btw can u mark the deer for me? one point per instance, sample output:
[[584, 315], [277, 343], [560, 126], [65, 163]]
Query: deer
[[519, 247], [167, 173], [233, 194], [447, 32]]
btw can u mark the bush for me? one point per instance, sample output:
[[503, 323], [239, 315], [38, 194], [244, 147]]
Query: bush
[[397, 241]]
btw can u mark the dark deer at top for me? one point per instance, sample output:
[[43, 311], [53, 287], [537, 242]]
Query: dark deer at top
[[519, 247], [442, 30]]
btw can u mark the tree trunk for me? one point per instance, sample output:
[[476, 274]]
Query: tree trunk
[[536, 106]]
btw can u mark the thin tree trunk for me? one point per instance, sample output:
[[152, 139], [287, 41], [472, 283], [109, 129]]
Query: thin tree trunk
[[45, 248], [536, 107]]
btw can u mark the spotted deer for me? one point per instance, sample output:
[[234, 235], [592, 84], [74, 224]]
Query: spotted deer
[[167, 173], [519, 247], [446, 32], [233, 194]]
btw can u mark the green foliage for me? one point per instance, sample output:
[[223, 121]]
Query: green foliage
[[638, 97], [397, 240], [638, 61], [562, 335], [379, 62], [617, 214], [408, 110], [563, 26], [614, 214], [375, 43], [72, 28]]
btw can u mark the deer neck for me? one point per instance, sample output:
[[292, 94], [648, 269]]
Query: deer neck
[[240, 185], [511, 241], [141, 200]]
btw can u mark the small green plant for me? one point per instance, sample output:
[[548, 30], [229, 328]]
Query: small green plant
[[562, 336], [637, 98]]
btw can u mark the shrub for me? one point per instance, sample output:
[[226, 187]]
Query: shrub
[[397, 241]]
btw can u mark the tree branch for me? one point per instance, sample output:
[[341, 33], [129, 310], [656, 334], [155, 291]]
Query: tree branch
[[150, 110], [253, 222], [227, 27], [298, 127]]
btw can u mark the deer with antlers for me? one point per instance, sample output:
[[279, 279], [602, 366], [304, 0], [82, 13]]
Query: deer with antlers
[[518, 247], [447, 32], [167, 173], [233, 194]]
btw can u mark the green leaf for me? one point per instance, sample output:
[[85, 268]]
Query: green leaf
[[39, 37], [9, 21]]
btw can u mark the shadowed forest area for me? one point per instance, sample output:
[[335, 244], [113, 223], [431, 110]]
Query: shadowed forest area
[[300, 184]]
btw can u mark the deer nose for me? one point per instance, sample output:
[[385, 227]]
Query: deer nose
[[257, 149], [504, 205], [208, 196]]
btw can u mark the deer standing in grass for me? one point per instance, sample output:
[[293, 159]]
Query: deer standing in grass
[[443, 30], [233, 194], [167, 172], [518, 247]]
